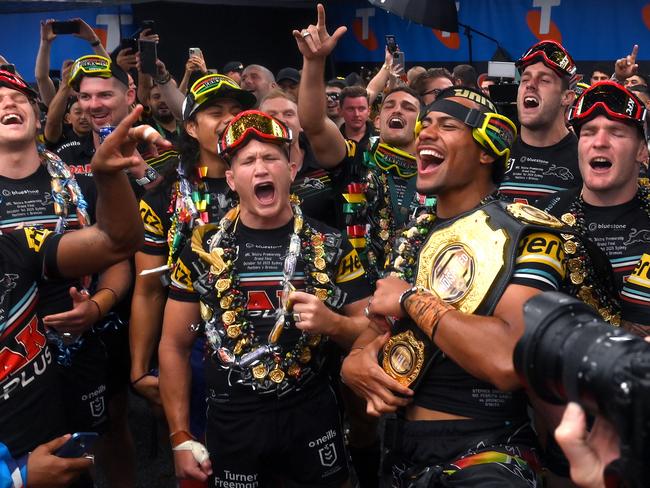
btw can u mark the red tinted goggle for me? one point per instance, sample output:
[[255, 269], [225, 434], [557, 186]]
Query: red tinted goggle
[[252, 124], [611, 100], [553, 55], [11, 80]]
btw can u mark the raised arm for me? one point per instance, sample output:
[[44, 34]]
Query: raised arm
[[56, 110], [42, 68], [379, 81], [315, 44], [118, 232], [170, 92]]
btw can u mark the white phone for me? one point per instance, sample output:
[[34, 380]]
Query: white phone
[[196, 51]]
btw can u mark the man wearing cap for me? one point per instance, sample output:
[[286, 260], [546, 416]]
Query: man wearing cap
[[544, 159], [32, 406], [288, 80], [272, 416], [233, 70], [258, 80], [612, 207], [458, 425], [198, 194], [378, 185]]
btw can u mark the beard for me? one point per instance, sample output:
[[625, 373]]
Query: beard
[[165, 118]]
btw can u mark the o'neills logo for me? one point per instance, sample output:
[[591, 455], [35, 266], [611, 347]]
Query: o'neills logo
[[453, 273]]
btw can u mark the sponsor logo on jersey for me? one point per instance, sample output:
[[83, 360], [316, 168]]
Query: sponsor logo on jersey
[[350, 267], [35, 237], [151, 221], [542, 248], [181, 276]]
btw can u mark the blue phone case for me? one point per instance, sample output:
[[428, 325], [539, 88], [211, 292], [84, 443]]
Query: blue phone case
[[78, 445]]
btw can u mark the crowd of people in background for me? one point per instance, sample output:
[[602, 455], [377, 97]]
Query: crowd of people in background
[[292, 230]]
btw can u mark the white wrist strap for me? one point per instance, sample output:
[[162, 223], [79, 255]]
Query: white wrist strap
[[199, 451]]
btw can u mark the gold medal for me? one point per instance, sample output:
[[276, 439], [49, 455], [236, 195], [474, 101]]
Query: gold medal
[[403, 357], [229, 317], [206, 311], [322, 278], [305, 355], [577, 278], [575, 264], [276, 375], [569, 219], [314, 340], [570, 247], [319, 263], [321, 293], [294, 370], [233, 331], [260, 371], [226, 302], [223, 284]]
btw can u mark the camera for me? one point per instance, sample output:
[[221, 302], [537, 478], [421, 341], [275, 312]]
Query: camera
[[568, 352]]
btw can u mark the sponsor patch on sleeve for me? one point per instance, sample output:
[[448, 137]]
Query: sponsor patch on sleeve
[[35, 237], [541, 260], [350, 267], [181, 277], [351, 148], [151, 221]]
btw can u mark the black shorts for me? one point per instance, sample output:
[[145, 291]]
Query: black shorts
[[427, 454], [299, 441], [85, 389]]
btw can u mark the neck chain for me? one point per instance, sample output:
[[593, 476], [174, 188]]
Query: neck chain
[[410, 241], [229, 333]]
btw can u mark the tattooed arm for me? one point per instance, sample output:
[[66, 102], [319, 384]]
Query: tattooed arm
[[481, 345]]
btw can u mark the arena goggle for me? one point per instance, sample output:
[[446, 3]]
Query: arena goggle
[[494, 132], [610, 99], [553, 55], [251, 124], [208, 87], [91, 65], [15, 82]]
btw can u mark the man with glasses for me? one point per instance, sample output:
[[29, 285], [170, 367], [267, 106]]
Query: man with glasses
[[612, 207], [459, 423], [272, 417], [333, 90], [430, 83], [544, 159]]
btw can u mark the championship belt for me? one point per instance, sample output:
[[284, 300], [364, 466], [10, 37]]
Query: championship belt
[[460, 263]]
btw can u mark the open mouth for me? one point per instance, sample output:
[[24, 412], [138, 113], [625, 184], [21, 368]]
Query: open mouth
[[265, 192], [430, 159], [12, 119], [531, 102], [396, 123], [600, 164]]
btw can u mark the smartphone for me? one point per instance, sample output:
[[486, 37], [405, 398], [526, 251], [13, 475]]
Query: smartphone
[[196, 51], [391, 44], [148, 24], [79, 445], [65, 27], [398, 58], [129, 43], [8, 67], [148, 56]]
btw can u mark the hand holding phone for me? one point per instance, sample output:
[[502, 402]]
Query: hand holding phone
[[66, 27], [195, 51], [391, 44], [79, 445]]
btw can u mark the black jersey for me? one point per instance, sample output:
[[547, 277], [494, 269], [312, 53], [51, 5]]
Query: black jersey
[[28, 202], [31, 411], [535, 172], [74, 149], [622, 232], [259, 268]]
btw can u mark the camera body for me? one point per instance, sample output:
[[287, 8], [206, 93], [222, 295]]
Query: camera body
[[568, 353]]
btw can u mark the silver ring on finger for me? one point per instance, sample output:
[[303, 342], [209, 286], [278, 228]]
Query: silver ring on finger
[[296, 317], [305, 33], [366, 312]]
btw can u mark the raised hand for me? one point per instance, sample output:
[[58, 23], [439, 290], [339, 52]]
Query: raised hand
[[627, 66], [314, 41]]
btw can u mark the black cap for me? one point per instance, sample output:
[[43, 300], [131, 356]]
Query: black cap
[[232, 66], [288, 74], [338, 81]]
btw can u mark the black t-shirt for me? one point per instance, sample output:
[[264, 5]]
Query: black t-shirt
[[76, 151], [364, 143], [315, 187], [156, 211], [31, 410], [622, 232], [171, 135], [259, 267], [28, 201], [535, 172]]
